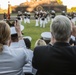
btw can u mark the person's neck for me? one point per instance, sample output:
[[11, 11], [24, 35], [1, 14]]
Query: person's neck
[[14, 40], [63, 41]]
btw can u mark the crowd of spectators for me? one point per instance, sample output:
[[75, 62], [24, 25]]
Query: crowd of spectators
[[53, 55]]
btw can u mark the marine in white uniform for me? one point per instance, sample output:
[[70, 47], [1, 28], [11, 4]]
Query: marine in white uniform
[[63, 13], [74, 18], [40, 17], [53, 14], [19, 17], [28, 17], [36, 15], [28, 69], [25, 17]]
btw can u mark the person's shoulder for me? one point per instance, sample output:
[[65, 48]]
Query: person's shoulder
[[41, 48], [31, 51], [73, 47], [17, 51]]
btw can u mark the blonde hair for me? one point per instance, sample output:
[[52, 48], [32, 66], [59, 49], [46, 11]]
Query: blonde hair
[[40, 42], [4, 34]]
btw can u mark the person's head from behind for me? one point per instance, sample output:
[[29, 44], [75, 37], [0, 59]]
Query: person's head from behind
[[40, 42], [14, 37], [61, 28], [4, 34], [27, 43], [14, 34]]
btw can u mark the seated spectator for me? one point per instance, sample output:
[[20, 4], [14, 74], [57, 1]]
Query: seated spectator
[[28, 69], [74, 32], [27, 40], [40, 42], [11, 60], [72, 40], [60, 58], [27, 43], [46, 36], [14, 37]]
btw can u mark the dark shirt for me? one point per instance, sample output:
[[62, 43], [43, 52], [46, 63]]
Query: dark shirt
[[59, 59]]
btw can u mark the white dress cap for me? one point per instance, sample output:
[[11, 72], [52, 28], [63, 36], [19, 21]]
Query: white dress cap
[[72, 37], [53, 11], [46, 35], [13, 31]]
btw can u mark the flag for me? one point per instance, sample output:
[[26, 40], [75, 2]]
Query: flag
[[8, 14]]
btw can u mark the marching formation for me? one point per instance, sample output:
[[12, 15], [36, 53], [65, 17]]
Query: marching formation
[[41, 17]]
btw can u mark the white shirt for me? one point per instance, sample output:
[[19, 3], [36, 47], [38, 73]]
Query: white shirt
[[12, 60], [20, 44], [28, 67]]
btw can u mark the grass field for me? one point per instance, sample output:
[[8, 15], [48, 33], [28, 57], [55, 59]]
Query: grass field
[[34, 32]]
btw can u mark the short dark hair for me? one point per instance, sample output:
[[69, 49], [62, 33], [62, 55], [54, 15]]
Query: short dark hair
[[14, 37], [27, 43]]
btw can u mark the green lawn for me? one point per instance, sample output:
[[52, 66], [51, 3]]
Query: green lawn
[[34, 32]]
